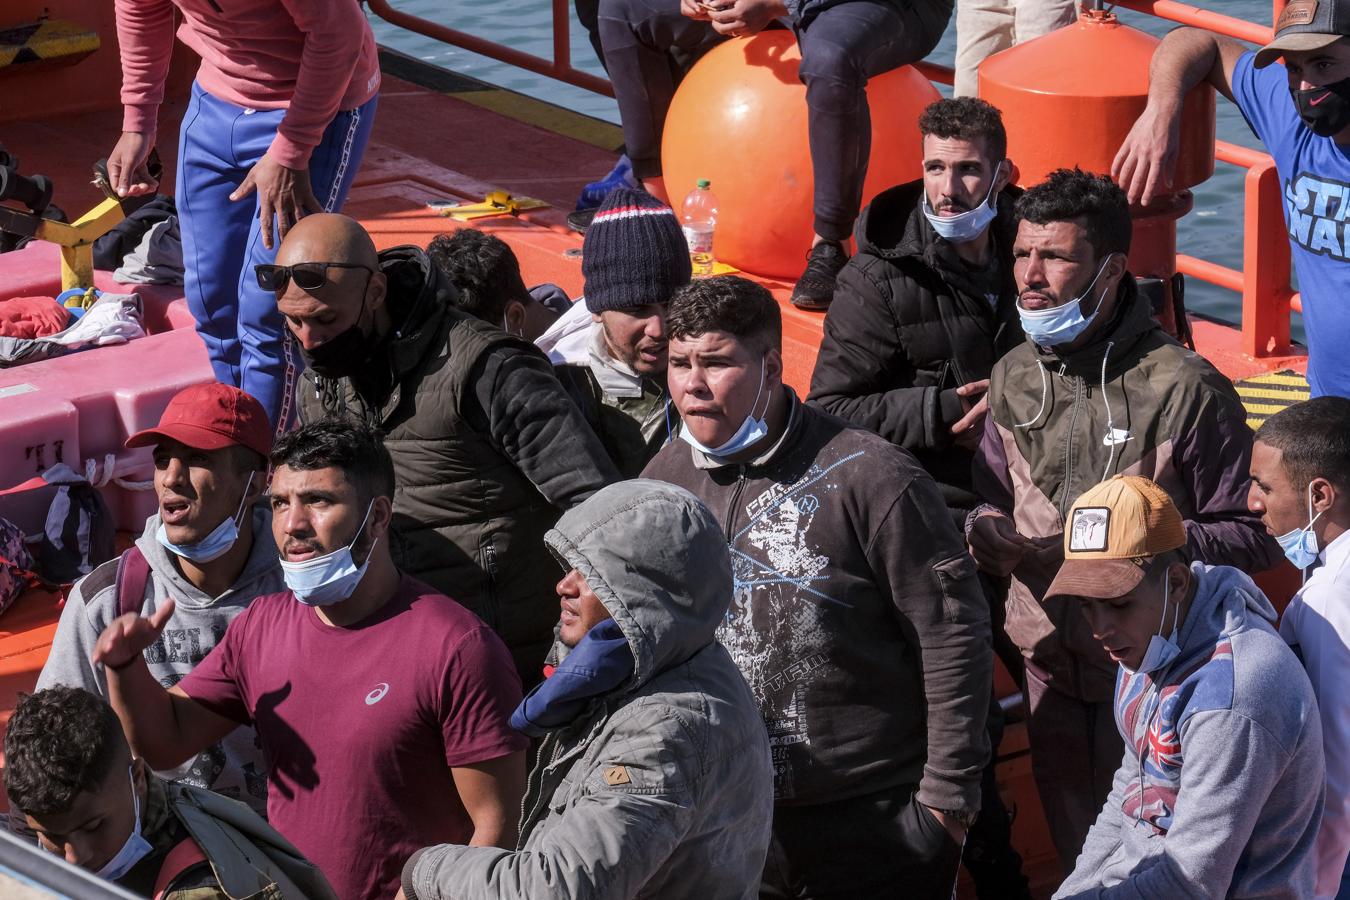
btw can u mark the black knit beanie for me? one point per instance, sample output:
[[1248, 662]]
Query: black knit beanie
[[634, 253]]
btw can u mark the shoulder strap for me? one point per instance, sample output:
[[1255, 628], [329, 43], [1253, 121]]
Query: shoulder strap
[[133, 574], [186, 854]]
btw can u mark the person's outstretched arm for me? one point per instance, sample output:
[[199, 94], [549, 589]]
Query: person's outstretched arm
[[1187, 56], [164, 728]]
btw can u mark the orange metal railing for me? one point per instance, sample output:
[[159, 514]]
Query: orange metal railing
[[1263, 282], [559, 67]]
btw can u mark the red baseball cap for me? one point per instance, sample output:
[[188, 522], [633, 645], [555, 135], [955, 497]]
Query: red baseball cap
[[211, 416]]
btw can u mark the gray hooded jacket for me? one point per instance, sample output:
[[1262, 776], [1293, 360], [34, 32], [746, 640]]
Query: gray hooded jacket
[[662, 788], [235, 766]]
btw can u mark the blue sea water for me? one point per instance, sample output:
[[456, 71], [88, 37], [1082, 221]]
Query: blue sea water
[[1213, 230]]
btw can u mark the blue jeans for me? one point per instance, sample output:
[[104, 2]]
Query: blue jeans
[[245, 336], [842, 46]]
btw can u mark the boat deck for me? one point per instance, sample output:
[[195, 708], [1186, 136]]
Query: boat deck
[[442, 136]]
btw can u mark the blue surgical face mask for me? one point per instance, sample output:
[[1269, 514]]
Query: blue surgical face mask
[[967, 226], [328, 579], [1061, 324], [1300, 545], [752, 430], [214, 545], [134, 850], [1162, 650]]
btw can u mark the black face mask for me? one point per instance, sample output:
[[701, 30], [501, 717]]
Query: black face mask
[[1326, 109], [341, 356]]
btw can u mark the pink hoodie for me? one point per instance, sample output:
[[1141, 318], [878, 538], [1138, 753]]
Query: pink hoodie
[[309, 57]]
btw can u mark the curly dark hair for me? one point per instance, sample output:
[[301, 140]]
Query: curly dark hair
[[726, 303], [967, 118], [60, 743], [483, 269], [344, 444], [1314, 439], [1068, 194]]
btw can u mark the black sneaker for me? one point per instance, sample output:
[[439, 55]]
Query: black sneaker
[[815, 289], [580, 220]]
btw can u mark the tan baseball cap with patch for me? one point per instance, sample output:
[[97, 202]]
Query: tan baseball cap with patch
[[1112, 533], [1306, 25]]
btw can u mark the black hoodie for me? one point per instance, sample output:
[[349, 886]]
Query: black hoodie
[[910, 323]]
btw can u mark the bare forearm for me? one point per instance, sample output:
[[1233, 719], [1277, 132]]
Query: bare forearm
[[1185, 58], [498, 832], [148, 716]]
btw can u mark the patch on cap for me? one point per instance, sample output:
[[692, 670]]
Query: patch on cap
[[1089, 528], [1298, 12]]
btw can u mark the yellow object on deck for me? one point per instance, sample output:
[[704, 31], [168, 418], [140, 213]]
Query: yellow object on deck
[[497, 203], [1265, 395], [45, 41]]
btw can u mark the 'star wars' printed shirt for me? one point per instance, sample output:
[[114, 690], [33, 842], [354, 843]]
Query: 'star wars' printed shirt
[[1315, 182]]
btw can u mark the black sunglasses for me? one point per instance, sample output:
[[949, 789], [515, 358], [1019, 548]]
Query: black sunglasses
[[308, 276]]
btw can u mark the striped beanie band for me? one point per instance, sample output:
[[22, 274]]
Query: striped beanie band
[[634, 253]]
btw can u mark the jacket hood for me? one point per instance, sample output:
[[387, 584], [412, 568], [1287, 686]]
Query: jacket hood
[[418, 292], [262, 561], [1226, 600], [658, 561]]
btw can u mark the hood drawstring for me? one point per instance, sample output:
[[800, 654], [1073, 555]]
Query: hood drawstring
[[1045, 393], [1110, 422]]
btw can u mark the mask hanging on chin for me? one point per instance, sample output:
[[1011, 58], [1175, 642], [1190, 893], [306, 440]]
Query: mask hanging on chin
[[751, 432], [1162, 650], [969, 225], [331, 578], [214, 545], [136, 847], [1300, 545], [1326, 109], [1061, 324]]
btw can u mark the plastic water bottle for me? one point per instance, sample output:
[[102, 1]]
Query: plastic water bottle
[[699, 218]]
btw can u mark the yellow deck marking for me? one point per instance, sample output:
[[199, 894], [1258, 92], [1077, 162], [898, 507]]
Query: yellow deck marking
[[547, 116], [1265, 395]]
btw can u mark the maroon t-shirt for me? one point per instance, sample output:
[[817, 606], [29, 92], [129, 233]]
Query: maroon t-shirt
[[361, 725]]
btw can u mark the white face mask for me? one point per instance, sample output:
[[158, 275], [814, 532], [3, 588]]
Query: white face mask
[[331, 578], [1061, 324], [1162, 650], [969, 225], [1300, 545], [136, 847], [752, 430]]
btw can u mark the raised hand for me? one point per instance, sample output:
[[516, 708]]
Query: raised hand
[[127, 636]]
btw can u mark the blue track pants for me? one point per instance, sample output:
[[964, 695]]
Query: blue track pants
[[245, 336]]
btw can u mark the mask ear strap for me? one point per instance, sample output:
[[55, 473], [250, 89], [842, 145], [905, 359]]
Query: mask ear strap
[[763, 375], [239, 513], [1311, 518]]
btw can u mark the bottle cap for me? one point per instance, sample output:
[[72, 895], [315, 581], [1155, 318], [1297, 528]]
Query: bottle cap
[[704, 183]]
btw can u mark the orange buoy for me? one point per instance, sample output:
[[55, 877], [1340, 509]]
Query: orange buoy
[[1070, 97], [739, 119]]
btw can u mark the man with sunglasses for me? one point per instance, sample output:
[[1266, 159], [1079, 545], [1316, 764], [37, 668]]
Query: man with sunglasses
[[487, 447], [201, 549], [281, 111]]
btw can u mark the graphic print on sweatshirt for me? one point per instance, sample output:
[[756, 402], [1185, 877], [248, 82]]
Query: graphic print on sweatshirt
[[1155, 719], [776, 624]]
